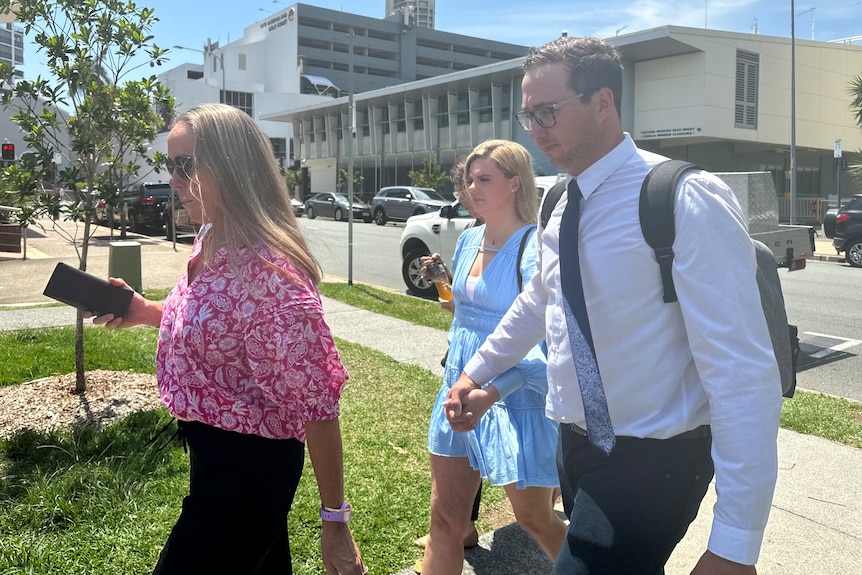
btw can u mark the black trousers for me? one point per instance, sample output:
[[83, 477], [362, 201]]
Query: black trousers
[[234, 520], [628, 510]]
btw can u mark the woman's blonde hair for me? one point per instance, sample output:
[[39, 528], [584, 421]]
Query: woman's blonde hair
[[253, 202], [513, 159]]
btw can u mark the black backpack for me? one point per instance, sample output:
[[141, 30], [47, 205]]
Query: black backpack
[[657, 196]]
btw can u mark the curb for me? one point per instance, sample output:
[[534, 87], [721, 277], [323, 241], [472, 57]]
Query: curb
[[826, 257]]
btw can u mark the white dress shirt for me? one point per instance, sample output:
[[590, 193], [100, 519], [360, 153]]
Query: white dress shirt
[[666, 368]]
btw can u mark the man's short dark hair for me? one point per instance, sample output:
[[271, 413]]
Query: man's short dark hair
[[592, 64]]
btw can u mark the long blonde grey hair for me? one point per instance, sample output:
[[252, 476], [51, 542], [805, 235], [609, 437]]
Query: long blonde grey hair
[[253, 202], [513, 160]]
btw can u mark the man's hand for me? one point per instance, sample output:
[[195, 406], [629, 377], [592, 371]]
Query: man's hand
[[474, 404], [712, 564], [453, 405], [339, 551]]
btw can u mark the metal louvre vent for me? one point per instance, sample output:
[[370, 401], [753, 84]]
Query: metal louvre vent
[[747, 68]]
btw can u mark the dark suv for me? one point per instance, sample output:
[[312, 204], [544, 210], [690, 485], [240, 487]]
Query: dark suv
[[145, 202], [398, 203], [848, 231]]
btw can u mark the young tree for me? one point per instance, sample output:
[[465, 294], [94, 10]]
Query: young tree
[[87, 110], [430, 176], [341, 184], [854, 163]]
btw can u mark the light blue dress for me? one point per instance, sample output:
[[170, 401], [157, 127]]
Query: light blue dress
[[514, 442]]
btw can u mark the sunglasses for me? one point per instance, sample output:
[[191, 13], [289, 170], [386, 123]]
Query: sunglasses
[[183, 164]]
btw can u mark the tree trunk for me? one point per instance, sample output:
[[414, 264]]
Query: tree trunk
[[80, 375]]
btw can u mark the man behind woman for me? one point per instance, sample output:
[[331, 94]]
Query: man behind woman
[[513, 444]]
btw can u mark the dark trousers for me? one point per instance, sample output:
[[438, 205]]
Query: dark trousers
[[628, 510], [234, 520]]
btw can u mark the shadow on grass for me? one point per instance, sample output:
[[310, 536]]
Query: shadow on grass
[[121, 452]]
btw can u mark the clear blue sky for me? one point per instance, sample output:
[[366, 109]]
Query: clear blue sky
[[531, 23]]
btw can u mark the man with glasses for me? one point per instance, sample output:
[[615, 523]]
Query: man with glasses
[[651, 397]]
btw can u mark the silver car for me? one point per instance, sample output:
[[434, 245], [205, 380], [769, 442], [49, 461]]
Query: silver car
[[397, 203]]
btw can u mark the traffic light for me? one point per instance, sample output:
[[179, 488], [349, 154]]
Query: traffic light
[[8, 152]]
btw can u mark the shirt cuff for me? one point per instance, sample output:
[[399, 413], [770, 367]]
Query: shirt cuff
[[507, 382], [735, 544], [478, 371]]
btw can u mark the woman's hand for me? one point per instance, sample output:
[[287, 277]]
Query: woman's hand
[[473, 405], [339, 551], [425, 261], [141, 311], [454, 408]]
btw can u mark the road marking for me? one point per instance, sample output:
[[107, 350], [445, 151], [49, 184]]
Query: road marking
[[844, 343]]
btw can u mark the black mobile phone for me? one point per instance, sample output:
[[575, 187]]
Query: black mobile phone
[[87, 292]]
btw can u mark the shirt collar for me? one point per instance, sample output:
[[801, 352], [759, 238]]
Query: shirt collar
[[591, 178]]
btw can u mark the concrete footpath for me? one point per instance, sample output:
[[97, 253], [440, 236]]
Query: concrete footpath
[[816, 521]]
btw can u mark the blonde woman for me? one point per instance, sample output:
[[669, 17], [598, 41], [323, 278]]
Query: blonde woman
[[245, 361], [513, 444]]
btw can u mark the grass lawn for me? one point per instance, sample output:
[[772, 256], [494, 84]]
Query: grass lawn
[[103, 501]]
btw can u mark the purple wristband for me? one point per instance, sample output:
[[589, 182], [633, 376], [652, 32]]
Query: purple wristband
[[340, 515]]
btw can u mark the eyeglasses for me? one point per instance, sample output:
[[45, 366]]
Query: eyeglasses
[[543, 115], [183, 164]]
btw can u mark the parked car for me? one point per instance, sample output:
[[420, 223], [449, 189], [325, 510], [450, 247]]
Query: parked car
[[397, 203], [145, 202], [298, 207], [336, 206], [829, 222], [435, 232], [438, 232], [176, 219], [848, 231]]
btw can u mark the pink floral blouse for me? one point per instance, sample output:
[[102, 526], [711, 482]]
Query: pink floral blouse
[[250, 354]]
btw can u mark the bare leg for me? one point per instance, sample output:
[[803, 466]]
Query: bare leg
[[453, 487], [534, 511]]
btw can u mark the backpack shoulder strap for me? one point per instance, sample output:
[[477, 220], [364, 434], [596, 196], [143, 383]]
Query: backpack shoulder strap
[[552, 197], [657, 196], [524, 239]]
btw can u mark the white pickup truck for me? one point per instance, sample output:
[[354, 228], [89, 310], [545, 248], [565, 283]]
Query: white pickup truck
[[438, 232], [755, 191]]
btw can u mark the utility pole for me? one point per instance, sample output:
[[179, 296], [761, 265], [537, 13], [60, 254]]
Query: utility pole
[[351, 117]]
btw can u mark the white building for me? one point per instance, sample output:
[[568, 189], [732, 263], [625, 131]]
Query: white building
[[303, 55], [719, 99], [12, 46], [421, 12]]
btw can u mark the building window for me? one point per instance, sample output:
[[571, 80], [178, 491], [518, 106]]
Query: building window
[[241, 62], [242, 100], [463, 115], [486, 113], [747, 68], [443, 110]]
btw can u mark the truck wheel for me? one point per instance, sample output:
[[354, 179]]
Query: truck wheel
[[380, 217], [853, 253], [411, 271]]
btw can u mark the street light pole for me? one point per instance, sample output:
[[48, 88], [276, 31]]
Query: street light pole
[[837, 155], [351, 119], [792, 112]]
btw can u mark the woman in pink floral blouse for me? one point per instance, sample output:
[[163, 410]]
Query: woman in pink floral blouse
[[245, 360]]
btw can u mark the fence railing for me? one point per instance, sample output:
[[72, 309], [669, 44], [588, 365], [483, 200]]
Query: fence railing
[[809, 211]]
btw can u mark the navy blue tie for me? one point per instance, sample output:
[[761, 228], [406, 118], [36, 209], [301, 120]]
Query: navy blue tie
[[600, 431]]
